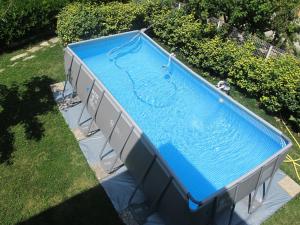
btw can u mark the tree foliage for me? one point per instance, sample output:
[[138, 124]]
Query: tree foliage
[[19, 18], [274, 82], [254, 16], [80, 21]]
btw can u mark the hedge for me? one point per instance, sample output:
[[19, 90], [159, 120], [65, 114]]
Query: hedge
[[79, 21], [20, 19], [274, 82]]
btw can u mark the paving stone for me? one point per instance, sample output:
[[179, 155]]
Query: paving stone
[[34, 49], [78, 133], [19, 56], [290, 186], [29, 57], [57, 87], [45, 44], [54, 40], [12, 65], [100, 173]]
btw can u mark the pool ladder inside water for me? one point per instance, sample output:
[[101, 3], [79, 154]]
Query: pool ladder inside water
[[169, 61]]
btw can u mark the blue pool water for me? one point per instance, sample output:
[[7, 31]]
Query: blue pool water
[[206, 140]]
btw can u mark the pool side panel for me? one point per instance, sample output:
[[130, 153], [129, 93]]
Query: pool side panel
[[137, 146], [279, 153]]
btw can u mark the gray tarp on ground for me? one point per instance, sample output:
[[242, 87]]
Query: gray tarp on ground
[[121, 184]]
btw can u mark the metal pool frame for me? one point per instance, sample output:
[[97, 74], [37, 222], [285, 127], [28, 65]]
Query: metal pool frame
[[164, 191]]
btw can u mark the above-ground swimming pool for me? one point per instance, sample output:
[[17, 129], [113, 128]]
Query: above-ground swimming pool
[[203, 139]]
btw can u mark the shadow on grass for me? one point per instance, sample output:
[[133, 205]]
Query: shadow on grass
[[22, 104], [89, 207]]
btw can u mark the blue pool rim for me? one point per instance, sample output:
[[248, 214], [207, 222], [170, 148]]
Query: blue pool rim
[[148, 142]]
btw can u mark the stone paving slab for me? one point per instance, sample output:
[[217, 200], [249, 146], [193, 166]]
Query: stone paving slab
[[57, 87], [34, 49], [12, 65], [290, 186], [54, 40], [29, 57], [79, 134], [45, 44], [100, 173], [20, 56]]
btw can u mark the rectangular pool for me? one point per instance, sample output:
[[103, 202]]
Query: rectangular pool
[[206, 139]]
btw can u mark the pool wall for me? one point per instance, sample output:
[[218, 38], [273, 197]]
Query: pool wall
[[164, 191]]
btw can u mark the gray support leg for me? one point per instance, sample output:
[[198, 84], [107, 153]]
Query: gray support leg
[[231, 214], [68, 75], [119, 153], [264, 190], [213, 216], [65, 84], [139, 183], [271, 180], [159, 196], [109, 136], [76, 82], [233, 205], [249, 202], [94, 116], [251, 209], [81, 112], [85, 104]]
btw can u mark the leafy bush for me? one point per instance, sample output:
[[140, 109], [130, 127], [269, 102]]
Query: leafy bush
[[174, 28], [216, 55], [80, 21], [274, 82], [24, 18], [19, 18], [194, 39], [255, 16]]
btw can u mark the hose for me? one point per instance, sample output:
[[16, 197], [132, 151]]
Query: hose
[[290, 159], [131, 40]]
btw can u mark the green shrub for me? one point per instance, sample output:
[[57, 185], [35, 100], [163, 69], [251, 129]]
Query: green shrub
[[80, 21], [194, 39], [118, 17], [274, 82], [248, 72], [215, 55], [177, 29], [282, 85], [19, 18], [174, 28]]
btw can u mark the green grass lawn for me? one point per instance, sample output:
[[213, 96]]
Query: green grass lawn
[[44, 178]]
